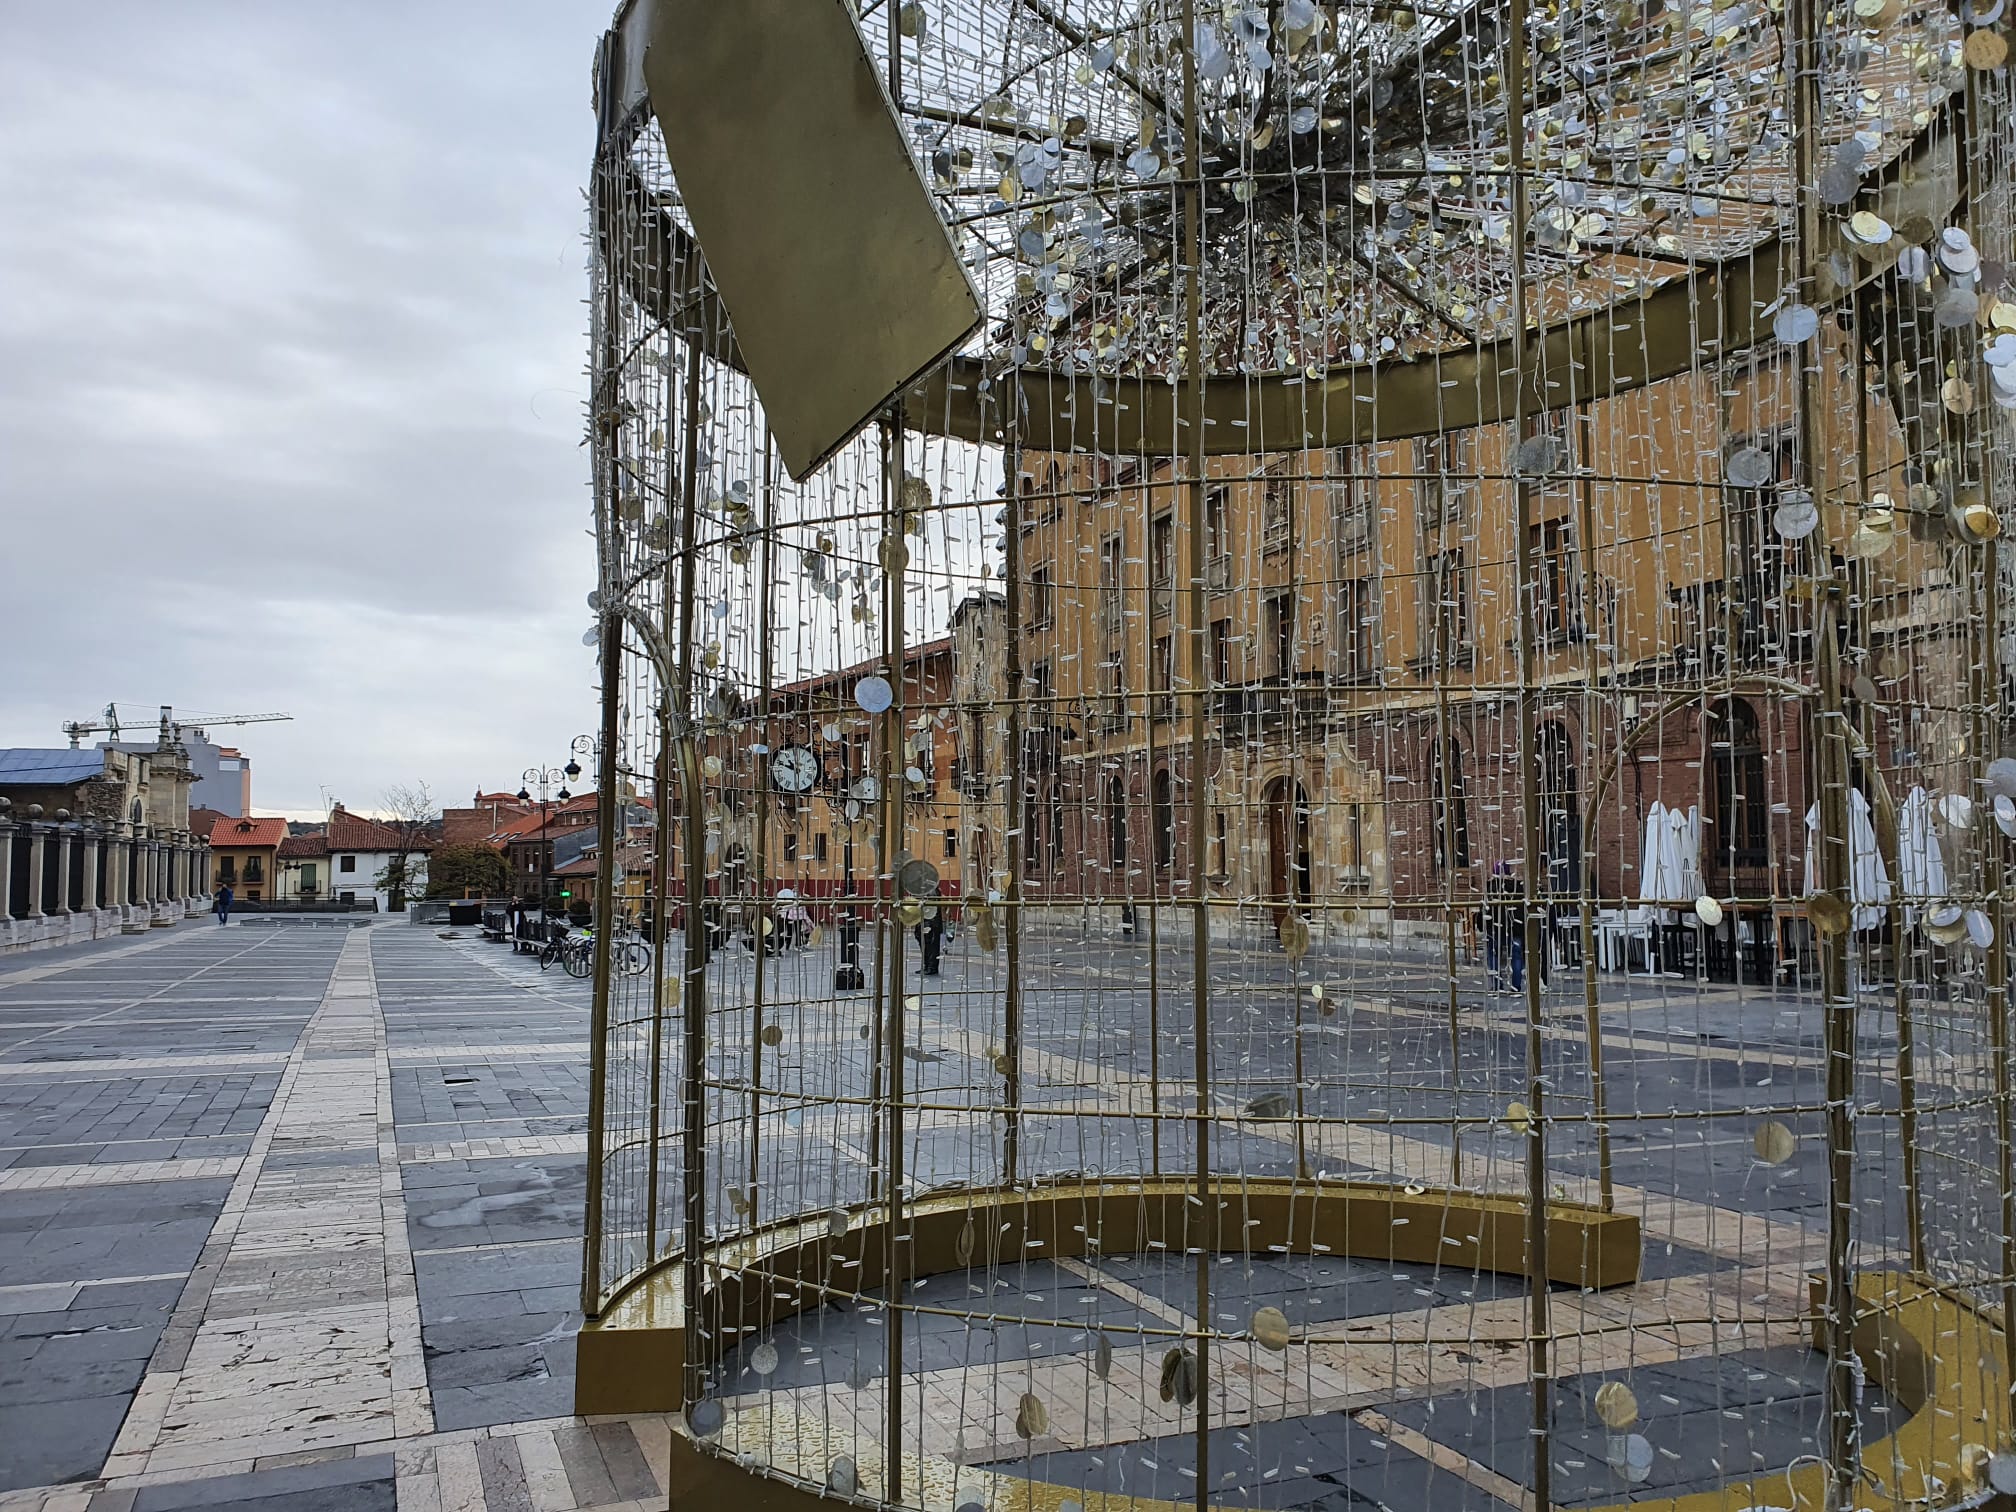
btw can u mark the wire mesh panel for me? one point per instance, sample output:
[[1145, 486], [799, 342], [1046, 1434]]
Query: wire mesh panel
[[1358, 858]]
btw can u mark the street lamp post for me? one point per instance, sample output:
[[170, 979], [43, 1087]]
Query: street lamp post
[[543, 777]]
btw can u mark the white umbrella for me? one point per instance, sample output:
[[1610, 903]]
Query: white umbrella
[[1684, 843], [1652, 856], [1921, 869], [1868, 878]]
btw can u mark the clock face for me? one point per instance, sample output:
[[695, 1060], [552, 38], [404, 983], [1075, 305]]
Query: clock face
[[794, 769], [867, 789]]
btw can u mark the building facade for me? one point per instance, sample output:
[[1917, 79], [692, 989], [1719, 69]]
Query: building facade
[[1351, 620], [95, 843]]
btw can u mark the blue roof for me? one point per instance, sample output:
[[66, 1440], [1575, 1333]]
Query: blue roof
[[23, 767]]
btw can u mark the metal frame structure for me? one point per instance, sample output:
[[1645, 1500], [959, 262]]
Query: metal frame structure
[[717, 1206]]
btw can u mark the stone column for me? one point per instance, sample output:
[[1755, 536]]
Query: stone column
[[89, 843], [37, 878], [143, 860], [6, 868], [60, 904]]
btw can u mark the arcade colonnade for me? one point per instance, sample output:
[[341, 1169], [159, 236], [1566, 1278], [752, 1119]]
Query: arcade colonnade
[[65, 880]]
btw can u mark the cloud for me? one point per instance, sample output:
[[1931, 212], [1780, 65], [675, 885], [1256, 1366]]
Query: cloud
[[291, 380]]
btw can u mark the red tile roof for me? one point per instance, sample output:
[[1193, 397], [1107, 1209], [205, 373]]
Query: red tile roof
[[252, 831], [304, 847], [353, 832]]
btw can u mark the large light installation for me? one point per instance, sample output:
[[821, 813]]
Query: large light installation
[[1305, 705]]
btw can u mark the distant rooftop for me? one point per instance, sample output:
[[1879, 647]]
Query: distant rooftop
[[24, 766]]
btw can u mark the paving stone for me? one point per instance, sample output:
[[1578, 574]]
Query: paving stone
[[236, 1490]]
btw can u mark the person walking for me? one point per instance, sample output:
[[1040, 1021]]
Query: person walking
[[1504, 931], [222, 906], [931, 936]]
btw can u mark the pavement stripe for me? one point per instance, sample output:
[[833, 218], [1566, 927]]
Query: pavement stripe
[[117, 1173], [156, 1065]]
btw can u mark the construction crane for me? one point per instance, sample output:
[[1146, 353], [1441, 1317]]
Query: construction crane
[[77, 729]]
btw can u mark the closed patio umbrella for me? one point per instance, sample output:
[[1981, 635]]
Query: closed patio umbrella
[[1869, 879], [1921, 869]]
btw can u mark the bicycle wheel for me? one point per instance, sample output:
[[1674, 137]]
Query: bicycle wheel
[[634, 957], [548, 954], [580, 961]]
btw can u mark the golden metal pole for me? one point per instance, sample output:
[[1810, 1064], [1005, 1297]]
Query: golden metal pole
[[693, 999], [895, 550], [764, 798], [1832, 779], [609, 438], [1200, 949], [1538, 1323], [1015, 784]]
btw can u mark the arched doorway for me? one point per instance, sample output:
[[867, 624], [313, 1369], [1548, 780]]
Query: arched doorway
[[1288, 870], [1162, 799], [1116, 831], [1560, 810]]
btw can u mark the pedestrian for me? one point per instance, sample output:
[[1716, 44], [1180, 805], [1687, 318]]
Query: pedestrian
[[1504, 931], [222, 905], [931, 937]]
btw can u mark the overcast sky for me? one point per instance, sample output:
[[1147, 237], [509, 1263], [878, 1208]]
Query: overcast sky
[[291, 352]]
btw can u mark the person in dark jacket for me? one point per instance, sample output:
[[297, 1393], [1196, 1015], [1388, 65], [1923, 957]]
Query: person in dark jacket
[[931, 939], [222, 905], [1504, 931]]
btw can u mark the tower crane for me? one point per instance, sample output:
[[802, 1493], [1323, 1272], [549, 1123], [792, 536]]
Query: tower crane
[[77, 729]]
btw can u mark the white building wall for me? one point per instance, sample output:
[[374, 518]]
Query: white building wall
[[361, 880]]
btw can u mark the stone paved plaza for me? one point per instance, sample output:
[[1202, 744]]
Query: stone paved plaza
[[290, 1217]]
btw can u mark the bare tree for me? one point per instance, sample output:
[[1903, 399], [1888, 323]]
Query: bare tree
[[410, 814]]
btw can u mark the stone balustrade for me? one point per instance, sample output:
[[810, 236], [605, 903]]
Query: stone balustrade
[[65, 880]]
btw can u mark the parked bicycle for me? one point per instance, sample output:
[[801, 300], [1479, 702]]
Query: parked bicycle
[[575, 952]]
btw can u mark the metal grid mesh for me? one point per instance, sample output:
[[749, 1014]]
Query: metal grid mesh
[[1228, 785]]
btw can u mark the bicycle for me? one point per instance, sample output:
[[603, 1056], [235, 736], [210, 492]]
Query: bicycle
[[576, 954]]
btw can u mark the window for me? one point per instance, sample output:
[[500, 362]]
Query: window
[[1221, 653], [951, 844], [1742, 807], [1041, 595], [1446, 627], [1162, 676], [1279, 615], [1277, 510], [1116, 826], [1041, 692], [974, 766], [1219, 854], [1351, 494], [1112, 585], [1113, 687], [819, 846], [227, 869], [308, 876], [1163, 802], [348, 897], [1357, 632], [255, 869], [346, 863], [790, 845], [1218, 539], [1446, 477], [253, 896], [1162, 563], [1555, 585], [1354, 840], [1452, 806]]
